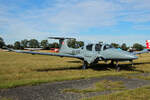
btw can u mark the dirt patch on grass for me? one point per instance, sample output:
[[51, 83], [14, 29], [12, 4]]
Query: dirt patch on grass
[[53, 91]]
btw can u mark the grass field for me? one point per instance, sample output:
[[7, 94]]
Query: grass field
[[24, 69], [136, 94]]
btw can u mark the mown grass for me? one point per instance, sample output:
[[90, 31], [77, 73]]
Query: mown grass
[[136, 94], [24, 69], [5, 98], [99, 87]]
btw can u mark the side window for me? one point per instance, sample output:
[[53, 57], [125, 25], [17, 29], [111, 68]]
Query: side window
[[82, 47], [107, 47], [98, 47], [89, 47]]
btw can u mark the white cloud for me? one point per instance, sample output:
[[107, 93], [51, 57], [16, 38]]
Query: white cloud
[[61, 17], [136, 11], [129, 39], [138, 18], [85, 15], [69, 16], [142, 27]]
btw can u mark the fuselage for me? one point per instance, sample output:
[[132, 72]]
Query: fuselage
[[92, 52]]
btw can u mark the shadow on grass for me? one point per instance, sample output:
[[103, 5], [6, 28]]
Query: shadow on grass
[[141, 63], [98, 67], [58, 69], [105, 67], [74, 61]]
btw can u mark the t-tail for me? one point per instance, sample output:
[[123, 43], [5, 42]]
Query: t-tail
[[63, 44]]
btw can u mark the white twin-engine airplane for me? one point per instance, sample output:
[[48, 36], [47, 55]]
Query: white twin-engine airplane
[[91, 53]]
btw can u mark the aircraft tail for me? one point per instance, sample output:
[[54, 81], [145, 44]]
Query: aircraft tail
[[63, 44], [148, 44]]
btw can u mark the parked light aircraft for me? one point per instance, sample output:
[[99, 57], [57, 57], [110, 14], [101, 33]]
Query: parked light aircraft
[[90, 53], [148, 44]]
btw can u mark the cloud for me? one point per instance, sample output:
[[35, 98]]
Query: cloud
[[129, 39], [25, 19], [138, 17], [136, 11], [85, 15], [142, 27], [62, 17], [68, 17]]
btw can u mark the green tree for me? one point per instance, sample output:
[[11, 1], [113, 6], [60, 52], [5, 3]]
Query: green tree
[[80, 43], [2, 43], [75, 44], [33, 43], [45, 44], [55, 45], [124, 47], [25, 43], [115, 45], [17, 45], [10, 46], [138, 46], [72, 43]]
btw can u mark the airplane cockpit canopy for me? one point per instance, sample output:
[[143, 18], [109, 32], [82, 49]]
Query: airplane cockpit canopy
[[98, 47]]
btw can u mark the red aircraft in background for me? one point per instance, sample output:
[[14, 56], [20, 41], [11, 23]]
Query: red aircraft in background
[[148, 44]]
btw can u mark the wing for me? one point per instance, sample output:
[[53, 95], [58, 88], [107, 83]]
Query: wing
[[44, 53], [140, 52]]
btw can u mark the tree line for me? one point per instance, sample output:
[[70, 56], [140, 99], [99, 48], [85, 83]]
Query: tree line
[[136, 46], [33, 43]]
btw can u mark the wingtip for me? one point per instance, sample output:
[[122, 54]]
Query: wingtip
[[9, 49]]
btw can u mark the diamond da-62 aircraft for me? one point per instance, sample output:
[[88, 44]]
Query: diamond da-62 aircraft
[[90, 53]]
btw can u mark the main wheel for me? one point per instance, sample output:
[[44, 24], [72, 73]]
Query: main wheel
[[85, 64]]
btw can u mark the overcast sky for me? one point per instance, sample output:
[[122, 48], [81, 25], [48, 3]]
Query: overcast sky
[[89, 20]]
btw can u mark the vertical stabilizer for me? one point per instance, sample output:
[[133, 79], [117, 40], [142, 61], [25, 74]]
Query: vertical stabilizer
[[63, 44]]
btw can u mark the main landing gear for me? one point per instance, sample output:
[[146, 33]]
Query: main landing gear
[[131, 62], [85, 64], [116, 65]]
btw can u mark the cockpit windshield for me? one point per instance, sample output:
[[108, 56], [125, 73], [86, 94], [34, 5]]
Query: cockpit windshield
[[107, 46]]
